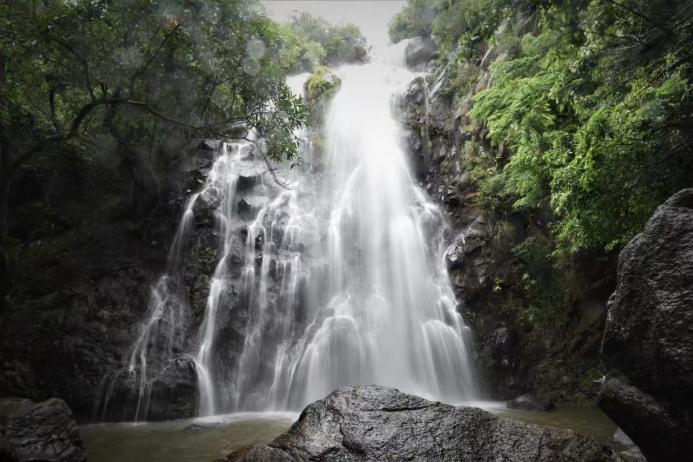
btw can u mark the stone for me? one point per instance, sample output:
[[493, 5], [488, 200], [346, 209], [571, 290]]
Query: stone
[[68, 329], [654, 426], [250, 204], [529, 402], [419, 51], [174, 391], [44, 431], [468, 260], [203, 426], [630, 452], [250, 175], [373, 423], [647, 337], [210, 145], [650, 319]]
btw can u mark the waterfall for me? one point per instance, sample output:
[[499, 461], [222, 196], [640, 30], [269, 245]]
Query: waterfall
[[338, 279]]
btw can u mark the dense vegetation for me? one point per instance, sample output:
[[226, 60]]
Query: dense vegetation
[[588, 110], [570, 122], [312, 42], [111, 92], [138, 72]]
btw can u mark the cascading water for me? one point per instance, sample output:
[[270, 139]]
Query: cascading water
[[338, 280]]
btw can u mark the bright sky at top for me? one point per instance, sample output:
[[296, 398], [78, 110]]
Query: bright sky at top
[[371, 17]]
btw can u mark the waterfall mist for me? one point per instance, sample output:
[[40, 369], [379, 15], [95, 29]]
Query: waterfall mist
[[337, 280]]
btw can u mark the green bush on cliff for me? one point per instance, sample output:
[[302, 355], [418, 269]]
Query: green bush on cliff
[[319, 89]]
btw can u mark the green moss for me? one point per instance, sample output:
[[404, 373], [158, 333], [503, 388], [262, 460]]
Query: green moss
[[319, 90]]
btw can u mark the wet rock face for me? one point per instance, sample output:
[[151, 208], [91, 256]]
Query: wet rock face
[[648, 334], [379, 423], [419, 51], [80, 314], [174, 391], [468, 260], [44, 431], [657, 427], [444, 144]]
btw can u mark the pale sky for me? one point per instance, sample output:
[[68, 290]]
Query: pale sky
[[371, 16]]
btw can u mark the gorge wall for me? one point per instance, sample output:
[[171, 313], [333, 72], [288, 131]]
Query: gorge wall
[[89, 241], [537, 328]]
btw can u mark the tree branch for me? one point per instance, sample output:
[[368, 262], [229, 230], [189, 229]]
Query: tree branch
[[84, 112], [270, 169]]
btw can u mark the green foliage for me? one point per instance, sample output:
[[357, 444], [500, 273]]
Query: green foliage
[[453, 23], [416, 19], [79, 68], [316, 42], [596, 111], [319, 88]]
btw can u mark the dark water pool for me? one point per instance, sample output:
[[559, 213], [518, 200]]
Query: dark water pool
[[589, 420], [176, 441], [213, 438]]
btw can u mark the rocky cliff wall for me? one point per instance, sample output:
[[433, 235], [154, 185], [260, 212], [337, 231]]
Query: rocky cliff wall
[[537, 327], [89, 236]]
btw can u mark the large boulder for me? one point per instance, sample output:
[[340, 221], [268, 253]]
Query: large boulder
[[44, 431], [369, 423], [648, 337], [419, 51], [654, 425]]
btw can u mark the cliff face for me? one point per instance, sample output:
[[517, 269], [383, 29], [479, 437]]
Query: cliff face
[[537, 327], [87, 241]]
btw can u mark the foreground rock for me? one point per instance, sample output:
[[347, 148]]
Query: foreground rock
[[44, 431], [648, 335], [379, 423]]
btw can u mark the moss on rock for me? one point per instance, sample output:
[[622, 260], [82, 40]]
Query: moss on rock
[[319, 90]]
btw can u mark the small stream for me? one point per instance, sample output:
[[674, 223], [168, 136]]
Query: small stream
[[210, 438]]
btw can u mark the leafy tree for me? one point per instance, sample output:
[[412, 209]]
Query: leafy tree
[[71, 71], [415, 19], [322, 43], [597, 111]]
